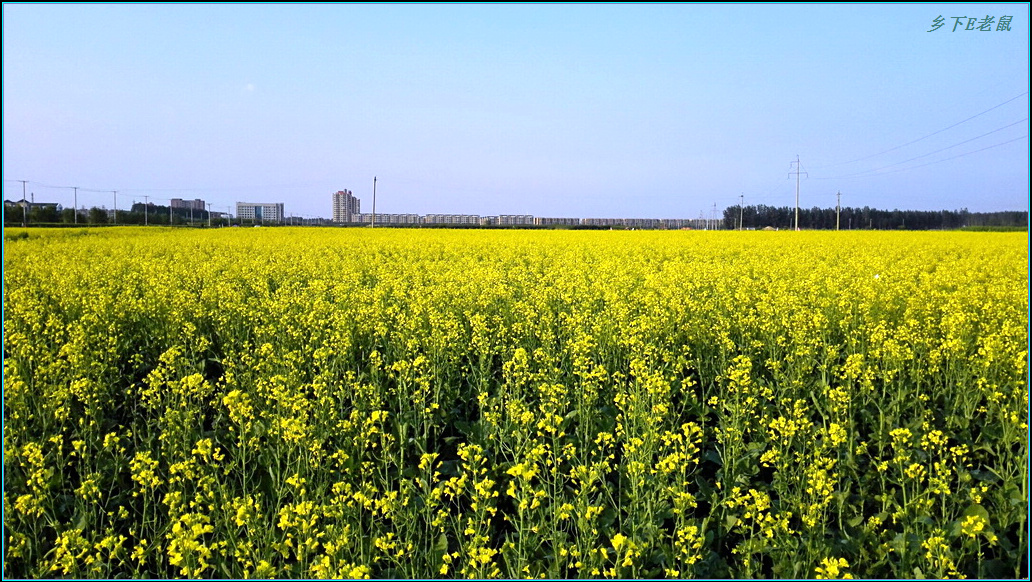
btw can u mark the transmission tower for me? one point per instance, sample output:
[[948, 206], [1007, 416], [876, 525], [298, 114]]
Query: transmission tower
[[797, 172]]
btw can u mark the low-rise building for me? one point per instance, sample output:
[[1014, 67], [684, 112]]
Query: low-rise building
[[33, 205], [542, 221], [602, 221], [648, 223], [386, 218], [195, 204], [451, 219], [515, 219]]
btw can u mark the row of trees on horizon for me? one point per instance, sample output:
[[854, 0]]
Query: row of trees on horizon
[[138, 214], [867, 218]]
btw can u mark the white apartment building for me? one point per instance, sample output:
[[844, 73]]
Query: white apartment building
[[345, 205], [260, 211], [543, 221], [196, 204], [383, 218], [648, 223], [451, 219], [515, 219], [602, 221]]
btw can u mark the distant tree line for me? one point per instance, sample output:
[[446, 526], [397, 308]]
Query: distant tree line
[[867, 218], [138, 213]]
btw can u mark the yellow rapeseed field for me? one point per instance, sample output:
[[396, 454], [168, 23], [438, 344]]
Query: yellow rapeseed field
[[324, 403]]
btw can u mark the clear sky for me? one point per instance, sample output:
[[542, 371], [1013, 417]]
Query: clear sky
[[656, 111]]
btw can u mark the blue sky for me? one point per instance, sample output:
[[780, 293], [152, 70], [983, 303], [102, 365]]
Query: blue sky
[[657, 111]]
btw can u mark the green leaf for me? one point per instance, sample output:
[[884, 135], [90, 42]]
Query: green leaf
[[975, 509], [997, 568], [713, 456], [1014, 495]]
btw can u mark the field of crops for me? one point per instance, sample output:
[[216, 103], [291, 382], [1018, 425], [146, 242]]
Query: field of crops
[[402, 403]]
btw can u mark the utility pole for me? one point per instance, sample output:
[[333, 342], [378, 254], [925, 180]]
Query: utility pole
[[146, 205], [75, 205], [114, 204], [741, 211], [373, 223], [170, 213], [25, 204], [209, 214], [714, 215], [838, 208], [797, 172]]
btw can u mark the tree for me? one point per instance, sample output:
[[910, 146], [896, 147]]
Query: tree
[[13, 215], [98, 215]]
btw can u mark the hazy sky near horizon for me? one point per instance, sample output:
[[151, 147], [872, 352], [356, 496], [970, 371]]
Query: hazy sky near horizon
[[652, 111]]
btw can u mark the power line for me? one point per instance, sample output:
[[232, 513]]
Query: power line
[[857, 174], [996, 145], [930, 134], [222, 188], [959, 155], [140, 190]]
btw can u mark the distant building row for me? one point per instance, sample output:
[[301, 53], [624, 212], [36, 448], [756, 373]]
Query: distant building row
[[347, 210], [525, 220], [32, 205]]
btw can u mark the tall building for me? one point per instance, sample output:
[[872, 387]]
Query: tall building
[[195, 204], [344, 205], [260, 211]]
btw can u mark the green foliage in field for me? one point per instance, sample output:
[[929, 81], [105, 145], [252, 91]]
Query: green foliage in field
[[305, 403]]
